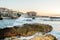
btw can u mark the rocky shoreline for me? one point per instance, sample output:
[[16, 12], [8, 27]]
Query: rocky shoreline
[[27, 30]]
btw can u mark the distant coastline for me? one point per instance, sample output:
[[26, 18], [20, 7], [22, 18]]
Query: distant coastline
[[8, 13]]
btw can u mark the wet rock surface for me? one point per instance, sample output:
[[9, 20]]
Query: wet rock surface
[[28, 30], [46, 37]]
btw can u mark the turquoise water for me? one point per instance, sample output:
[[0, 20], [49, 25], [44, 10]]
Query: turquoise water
[[55, 24]]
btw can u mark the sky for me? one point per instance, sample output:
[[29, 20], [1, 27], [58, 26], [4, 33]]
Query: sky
[[42, 7]]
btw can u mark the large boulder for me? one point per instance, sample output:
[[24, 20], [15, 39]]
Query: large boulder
[[25, 30], [30, 29]]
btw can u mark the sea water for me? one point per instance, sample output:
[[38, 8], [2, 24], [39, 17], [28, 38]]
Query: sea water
[[55, 24], [6, 22]]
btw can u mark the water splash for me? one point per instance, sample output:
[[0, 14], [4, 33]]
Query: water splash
[[22, 20]]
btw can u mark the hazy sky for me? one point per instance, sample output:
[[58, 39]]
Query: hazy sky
[[43, 7]]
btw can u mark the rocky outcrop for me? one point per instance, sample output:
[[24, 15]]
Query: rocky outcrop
[[7, 32], [30, 29], [11, 38], [25, 30], [46, 37], [50, 37]]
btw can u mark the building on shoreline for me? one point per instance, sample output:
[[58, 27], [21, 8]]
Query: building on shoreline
[[5, 12], [31, 13]]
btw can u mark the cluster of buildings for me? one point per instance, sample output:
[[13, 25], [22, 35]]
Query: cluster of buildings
[[5, 12]]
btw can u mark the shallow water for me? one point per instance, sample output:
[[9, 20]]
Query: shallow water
[[6, 22]]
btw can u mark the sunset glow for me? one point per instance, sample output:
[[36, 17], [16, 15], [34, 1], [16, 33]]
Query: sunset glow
[[42, 7]]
